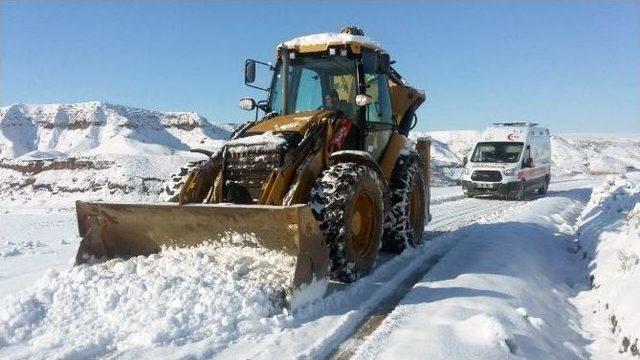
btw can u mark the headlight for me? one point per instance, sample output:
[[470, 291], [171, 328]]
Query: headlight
[[510, 172]]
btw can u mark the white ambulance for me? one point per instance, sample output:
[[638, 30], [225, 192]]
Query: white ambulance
[[509, 160]]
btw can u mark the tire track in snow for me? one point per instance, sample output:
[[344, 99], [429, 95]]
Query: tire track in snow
[[456, 215]]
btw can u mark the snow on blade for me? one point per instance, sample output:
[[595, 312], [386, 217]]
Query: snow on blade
[[212, 294]]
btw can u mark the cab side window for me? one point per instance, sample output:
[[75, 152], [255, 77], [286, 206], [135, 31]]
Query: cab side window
[[379, 111], [378, 114]]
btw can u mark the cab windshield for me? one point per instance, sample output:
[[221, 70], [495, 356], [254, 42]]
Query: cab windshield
[[497, 152], [316, 82]]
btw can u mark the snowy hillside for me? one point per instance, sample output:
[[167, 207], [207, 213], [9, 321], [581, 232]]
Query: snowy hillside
[[571, 154], [58, 153], [95, 150], [55, 130]]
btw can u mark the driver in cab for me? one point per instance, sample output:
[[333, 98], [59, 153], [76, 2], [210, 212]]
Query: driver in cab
[[333, 102]]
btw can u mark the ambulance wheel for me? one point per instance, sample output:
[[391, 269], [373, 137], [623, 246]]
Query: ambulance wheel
[[545, 187], [519, 193]]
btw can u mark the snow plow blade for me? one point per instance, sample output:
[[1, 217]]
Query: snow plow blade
[[127, 230]]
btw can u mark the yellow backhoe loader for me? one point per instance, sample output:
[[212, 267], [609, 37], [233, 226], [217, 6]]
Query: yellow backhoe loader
[[326, 175]]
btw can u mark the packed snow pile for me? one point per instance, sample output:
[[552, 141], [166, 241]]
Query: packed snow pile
[[609, 233], [11, 248], [199, 298], [571, 154], [95, 150]]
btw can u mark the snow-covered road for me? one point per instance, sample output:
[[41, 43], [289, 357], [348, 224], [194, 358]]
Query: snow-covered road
[[503, 289], [493, 279]]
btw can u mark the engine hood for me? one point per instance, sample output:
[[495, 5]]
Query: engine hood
[[299, 122]]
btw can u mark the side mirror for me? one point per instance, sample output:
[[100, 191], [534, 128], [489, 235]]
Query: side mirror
[[528, 162], [247, 104], [465, 160], [363, 99], [249, 71]]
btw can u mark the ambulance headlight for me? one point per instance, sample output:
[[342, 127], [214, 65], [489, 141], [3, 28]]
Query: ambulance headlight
[[510, 172]]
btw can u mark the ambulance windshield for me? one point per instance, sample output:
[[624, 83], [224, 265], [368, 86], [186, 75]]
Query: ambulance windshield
[[497, 152]]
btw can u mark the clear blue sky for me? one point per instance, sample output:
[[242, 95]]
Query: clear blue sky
[[569, 65]]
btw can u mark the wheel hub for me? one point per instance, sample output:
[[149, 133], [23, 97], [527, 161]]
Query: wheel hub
[[415, 208], [361, 225]]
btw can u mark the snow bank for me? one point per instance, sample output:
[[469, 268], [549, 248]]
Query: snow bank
[[180, 297], [610, 237], [11, 248], [501, 292]]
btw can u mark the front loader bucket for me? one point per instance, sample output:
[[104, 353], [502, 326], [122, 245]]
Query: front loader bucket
[[126, 230]]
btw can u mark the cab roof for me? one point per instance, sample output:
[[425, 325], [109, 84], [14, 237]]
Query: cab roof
[[517, 132], [320, 42]]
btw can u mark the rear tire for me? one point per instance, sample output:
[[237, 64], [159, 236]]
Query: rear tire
[[404, 222], [347, 201]]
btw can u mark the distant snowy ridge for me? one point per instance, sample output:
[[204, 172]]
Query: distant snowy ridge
[[58, 153], [54, 130], [103, 151]]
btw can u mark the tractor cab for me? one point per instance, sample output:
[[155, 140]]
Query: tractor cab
[[345, 73]]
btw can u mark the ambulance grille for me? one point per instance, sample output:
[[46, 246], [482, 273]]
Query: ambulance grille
[[486, 175]]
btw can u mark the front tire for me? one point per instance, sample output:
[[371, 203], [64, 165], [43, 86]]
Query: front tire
[[519, 193], [404, 222], [347, 201]]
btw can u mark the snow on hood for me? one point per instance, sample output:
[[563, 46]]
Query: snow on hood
[[267, 141]]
